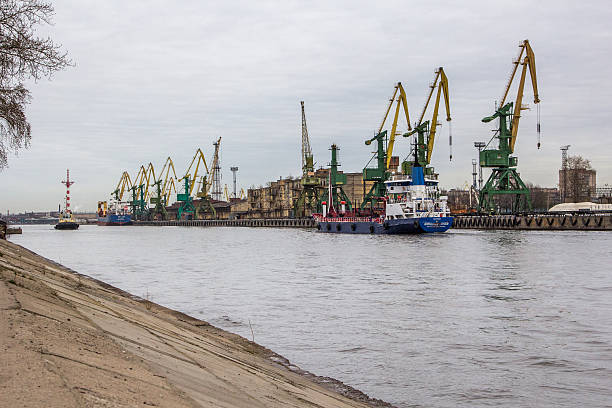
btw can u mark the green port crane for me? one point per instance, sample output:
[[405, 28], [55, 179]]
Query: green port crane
[[138, 188], [504, 179], [335, 196], [185, 199], [376, 174], [306, 203], [426, 131], [379, 174], [160, 197]]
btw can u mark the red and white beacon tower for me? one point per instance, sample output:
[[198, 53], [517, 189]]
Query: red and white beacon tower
[[68, 183]]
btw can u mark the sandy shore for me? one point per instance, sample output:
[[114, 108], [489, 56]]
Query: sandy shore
[[68, 340]]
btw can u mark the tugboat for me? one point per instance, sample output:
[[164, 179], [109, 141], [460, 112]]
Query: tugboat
[[66, 220]]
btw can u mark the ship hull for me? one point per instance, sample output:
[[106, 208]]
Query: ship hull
[[391, 227], [115, 220], [68, 225]]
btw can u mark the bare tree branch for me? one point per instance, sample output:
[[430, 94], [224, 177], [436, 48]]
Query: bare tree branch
[[23, 55]]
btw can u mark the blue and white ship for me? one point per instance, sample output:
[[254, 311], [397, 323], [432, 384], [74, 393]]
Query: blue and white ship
[[113, 213], [413, 205]]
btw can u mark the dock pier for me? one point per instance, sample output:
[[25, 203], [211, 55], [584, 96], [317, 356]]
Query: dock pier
[[252, 222], [549, 222]]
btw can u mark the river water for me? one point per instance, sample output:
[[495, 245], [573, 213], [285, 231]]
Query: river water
[[465, 318]]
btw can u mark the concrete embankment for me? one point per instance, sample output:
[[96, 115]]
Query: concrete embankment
[[583, 222], [67, 340], [267, 222]]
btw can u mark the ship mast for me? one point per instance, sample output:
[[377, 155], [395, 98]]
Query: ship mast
[[68, 183]]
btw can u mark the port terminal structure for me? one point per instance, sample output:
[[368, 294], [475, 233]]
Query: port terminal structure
[[504, 179], [296, 198], [533, 222]]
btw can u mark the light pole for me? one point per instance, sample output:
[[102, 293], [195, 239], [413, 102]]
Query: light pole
[[479, 146], [234, 170]]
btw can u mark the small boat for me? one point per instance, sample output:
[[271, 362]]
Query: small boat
[[66, 220], [413, 205]]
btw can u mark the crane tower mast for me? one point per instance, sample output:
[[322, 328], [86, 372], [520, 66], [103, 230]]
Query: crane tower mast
[[309, 196]]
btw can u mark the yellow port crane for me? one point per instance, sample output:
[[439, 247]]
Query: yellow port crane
[[165, 176], [400, 102], [426, 131], [203, 193], [205, 186], [198, 159], [125, 183], [528, 62], [171, 185], [226, 193], [379, 174]]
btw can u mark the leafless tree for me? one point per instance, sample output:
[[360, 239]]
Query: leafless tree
[[23, 56]]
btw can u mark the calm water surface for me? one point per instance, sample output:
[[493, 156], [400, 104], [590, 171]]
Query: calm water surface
[[466, 318]]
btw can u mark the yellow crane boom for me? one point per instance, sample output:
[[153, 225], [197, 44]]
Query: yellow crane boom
[[149, 175], [210, 175], [124, 184], [440, 82], [400, 101], [527, 62], [167, 191], [199, 156], [165, 173]]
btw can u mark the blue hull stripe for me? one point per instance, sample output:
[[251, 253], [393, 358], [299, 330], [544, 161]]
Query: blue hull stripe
[[407, 226]]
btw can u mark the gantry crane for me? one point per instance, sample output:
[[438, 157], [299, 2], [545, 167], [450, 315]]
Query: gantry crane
[[124, 184], [171, 185], [381, 172], [426, 131], [504, 179], [185, 199], [205, 203], [400, 102], [138, 188], [160, 197], [336, 198], [306, 203]]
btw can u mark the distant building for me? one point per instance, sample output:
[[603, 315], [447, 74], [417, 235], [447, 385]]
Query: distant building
[[577, 185], [603, 195], [277, 199]]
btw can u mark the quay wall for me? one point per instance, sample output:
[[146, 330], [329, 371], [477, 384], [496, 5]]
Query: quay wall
[[261, 222], [582, 222]]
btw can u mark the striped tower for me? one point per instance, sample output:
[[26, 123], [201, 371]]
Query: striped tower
[[68, 183]]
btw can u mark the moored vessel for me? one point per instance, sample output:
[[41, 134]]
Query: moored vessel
[[412, 205], [66, 220], [113, 213]]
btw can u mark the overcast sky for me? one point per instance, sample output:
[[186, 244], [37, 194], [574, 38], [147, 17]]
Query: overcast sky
[[157, 78]]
